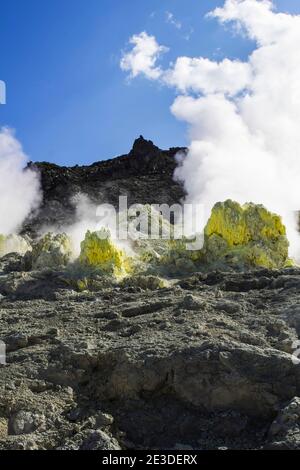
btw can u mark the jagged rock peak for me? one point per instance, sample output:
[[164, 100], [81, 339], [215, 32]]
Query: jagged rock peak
[[144, 148]]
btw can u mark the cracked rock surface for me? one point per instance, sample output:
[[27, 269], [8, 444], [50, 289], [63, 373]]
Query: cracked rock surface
[[205, 363]]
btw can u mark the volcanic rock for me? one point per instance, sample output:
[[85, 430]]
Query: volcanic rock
[[50, 251], [145, 176], [204, 365]]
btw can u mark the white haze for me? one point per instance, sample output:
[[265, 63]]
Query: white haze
[[93, 217], [85, 219], [243, 117], [19, 187]]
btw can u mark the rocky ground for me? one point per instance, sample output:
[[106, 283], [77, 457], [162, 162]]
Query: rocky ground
[[205, 363]]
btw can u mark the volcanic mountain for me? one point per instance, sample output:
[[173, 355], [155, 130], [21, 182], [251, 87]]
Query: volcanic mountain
[[204, 359], [144, 175]]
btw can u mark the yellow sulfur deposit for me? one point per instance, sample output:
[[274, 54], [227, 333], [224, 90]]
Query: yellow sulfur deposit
[[228, 221], [99, 251], [51, 251], [246, 235], [235, 236]]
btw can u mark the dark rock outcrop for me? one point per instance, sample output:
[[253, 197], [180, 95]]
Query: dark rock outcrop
[[145, 176]]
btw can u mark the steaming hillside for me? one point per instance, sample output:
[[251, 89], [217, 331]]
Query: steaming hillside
[[205, 359], [145, 175]]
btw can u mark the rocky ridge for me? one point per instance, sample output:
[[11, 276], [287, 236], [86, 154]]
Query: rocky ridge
[[145, 176]]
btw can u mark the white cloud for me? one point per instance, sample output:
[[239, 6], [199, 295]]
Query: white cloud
[[19, 188], [143, 56], [198, 74], [170, 18], [206, 76], [243, 117], [257, 18], [187, 36]]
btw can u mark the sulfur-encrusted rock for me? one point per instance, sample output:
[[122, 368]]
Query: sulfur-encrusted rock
[[246, 235], [51, 251], [158, 248], [235, 236], [148, 282], [98, 251]]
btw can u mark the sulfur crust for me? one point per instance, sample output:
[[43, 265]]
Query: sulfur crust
[[235, 236], [52, 250], [99, 251], [249, 234]]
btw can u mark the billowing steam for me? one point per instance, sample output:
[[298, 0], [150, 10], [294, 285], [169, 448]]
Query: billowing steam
[[93, 217], [19, 187], [85, 219], [244, 117]]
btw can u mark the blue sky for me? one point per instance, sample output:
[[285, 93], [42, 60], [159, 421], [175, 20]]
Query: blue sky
[[67, 98]]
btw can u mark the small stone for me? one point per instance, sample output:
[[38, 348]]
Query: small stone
[[26, 422], [115, 325], [110, 315], [103, 419], [99, 440], [16, 341], [227, 306], [190, 302], [75, 414], [69, 391], [182, 447], [53, 332]]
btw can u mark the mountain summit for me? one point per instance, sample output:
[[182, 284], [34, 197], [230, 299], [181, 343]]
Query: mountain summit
[[144, 175]]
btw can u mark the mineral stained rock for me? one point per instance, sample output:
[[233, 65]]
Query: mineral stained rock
[[249, 236], [98, 251], [235, 237], [51, 251]]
